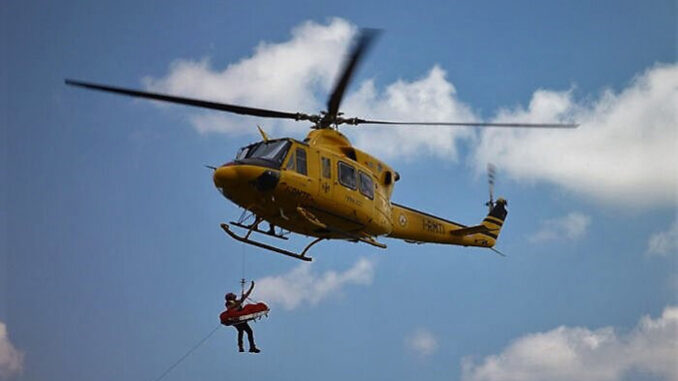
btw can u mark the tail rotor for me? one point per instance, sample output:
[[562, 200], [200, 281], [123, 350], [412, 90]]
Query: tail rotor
[[491, 169], [496, 211]]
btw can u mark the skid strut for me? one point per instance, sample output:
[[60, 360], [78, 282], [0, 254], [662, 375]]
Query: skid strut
[[247, 240]]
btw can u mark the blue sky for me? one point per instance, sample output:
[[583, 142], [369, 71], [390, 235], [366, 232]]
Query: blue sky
[[112, 263]]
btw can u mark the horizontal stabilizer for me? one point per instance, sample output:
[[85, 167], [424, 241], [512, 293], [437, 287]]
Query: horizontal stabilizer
[[470, 230]]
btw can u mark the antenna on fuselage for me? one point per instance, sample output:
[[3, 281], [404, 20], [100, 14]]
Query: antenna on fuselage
[[263, 133]]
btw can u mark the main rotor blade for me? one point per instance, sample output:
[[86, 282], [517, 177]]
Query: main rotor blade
[[191, 102], [356, 121], [364, 41]]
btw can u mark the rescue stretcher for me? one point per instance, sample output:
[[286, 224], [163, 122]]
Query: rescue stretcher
[[246, 313]]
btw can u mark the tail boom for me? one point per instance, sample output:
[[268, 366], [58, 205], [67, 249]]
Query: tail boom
[[416, 226]]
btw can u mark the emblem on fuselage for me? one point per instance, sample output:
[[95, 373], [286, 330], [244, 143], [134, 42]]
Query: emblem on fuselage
[[402, 220]]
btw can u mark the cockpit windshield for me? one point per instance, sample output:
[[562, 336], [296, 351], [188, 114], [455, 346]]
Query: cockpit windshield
[[271, 152]]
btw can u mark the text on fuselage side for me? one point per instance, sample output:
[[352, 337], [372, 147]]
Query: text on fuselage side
[[297, 193], [433, 226]]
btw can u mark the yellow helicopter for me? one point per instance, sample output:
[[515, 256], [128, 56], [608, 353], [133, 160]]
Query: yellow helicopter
[[325, 188]]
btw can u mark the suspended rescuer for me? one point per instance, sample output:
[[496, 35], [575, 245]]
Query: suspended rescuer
[[233, 303]]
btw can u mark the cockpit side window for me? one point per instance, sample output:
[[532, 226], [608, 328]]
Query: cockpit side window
[[242, 153], [346, 175], [326, 167], [290, 162], [301, 161]]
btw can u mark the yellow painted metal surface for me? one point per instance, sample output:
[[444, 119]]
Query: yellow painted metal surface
[[416, 226], [310, 197]]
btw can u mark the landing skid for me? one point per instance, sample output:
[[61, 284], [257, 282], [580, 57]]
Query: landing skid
[[256, 229], [247, 240]]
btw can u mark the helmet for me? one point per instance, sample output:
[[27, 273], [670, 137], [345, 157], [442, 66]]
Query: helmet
[[501, 200], [230, 296]]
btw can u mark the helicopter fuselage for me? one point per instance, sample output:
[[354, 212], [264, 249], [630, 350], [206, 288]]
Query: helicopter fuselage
[[288, 182], [324, 187]]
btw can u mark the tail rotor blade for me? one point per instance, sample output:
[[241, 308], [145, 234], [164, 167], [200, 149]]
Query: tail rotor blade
[[491, 169]]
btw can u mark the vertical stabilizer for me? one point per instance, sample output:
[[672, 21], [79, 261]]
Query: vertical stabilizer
[[495, 220]]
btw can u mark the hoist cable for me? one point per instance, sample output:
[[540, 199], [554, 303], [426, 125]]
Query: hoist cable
[[242, 274], [242, 253], [201, 342]]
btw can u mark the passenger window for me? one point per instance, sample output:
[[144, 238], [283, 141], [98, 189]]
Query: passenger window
[[290, 162], [347, 175], [301, 161], [327, 168], [366, 185]]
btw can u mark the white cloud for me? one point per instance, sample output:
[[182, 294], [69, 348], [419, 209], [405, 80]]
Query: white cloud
[[11, 360], [430, 98], [300, 286], [571, 226], [624, 152], [664, 243], [586, 355], [297, 75], [282, 76], [422, 342]]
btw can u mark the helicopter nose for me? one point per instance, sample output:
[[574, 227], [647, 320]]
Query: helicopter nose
[[225, 176], [231, 176]]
